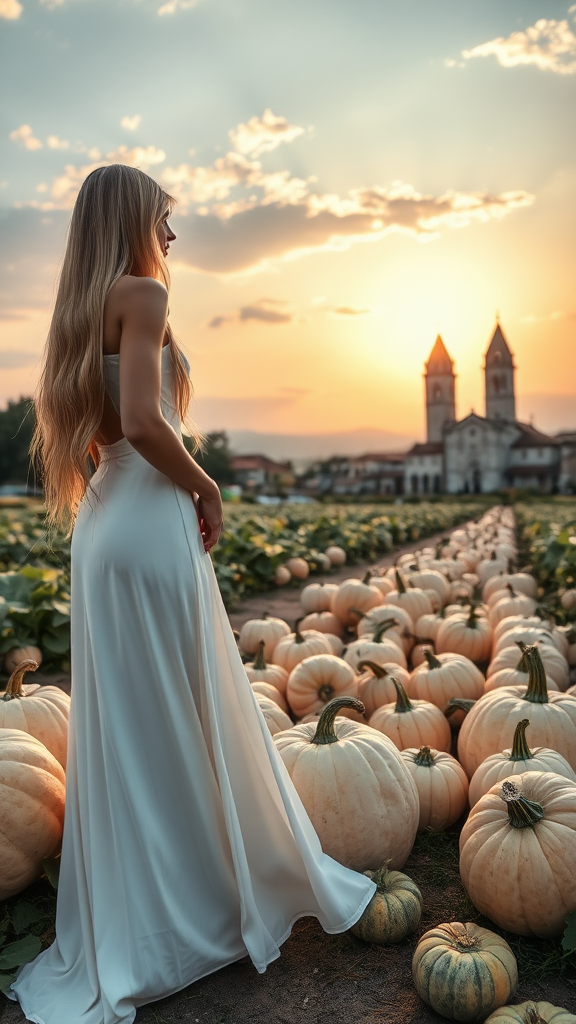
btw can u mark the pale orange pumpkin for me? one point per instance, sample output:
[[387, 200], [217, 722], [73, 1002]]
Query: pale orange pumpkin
[[493, 718], [428, 625], [356, 789], [516, 760], [282, 576], [16, 655], [400, 618], [270, 691], [431, 579], [354, 598], [336, 554], [317, 597], [471, 636], [411, 599], [375, 686], [517, 676], [276, 719], [316, 680], [379, 648], [384, 585], [418, 653], [292, 649], [522, 877], [260, 672], [442, 677], [442, 786], [514, 603], [568, 600], [323, 622], [298, 567], [554, 663], [33, 786], [43, 713], [521, 581], [412, 723], [268, 628]]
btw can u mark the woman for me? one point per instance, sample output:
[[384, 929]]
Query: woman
[[185, 844]]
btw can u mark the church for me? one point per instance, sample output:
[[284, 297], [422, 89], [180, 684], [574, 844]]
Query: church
[[482, 454]]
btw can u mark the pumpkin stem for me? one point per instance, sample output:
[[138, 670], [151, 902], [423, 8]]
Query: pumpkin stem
[[472, 621], [259, 662], [458, 704], [382, 628], [522, 813], [424, 757], [325, 732], [265, 615], [522, 665], [403, 702], [533, 1017], [14, 684], [511, 589], [367, 577], [298, 638], [399, 583], [378, 670], [432, 660], [381, 876], [520, 749], [537, 692]]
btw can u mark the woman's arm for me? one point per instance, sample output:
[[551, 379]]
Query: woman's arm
[[142, 307]]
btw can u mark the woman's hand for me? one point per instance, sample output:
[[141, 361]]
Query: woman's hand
[[210, 516]]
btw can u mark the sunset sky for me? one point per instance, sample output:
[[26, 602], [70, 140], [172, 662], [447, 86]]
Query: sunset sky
[[352, 178]]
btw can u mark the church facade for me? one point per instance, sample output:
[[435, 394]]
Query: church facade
[[483, 454]]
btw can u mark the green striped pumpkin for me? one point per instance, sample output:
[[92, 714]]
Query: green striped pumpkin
[[464, 972], [532, 1013], [394, 910]]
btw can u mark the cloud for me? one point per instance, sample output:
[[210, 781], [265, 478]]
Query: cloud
[[263, 134], [262, 310], [14, 358], [65, 187], [10, 9], [172, 6], [55, 143], [25, 135], [548, 44], [350, 311], [131, 123], [557, 314]]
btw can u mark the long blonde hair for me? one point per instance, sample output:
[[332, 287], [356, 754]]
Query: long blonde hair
[[112, 232]]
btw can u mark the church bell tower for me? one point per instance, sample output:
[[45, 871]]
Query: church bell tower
[[439, 380], [499, 379]]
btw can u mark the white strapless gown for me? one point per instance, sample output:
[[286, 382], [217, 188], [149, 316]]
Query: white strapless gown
[[185, 844]]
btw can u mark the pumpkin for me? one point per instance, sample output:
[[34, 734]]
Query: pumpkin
[[521, 581], [323, 622], [356, 789], [375, 686], [380, 648], [388, 613], [442, 677], [517, 853], [33, 786], [511, 622], [431, 579], [336, 644], [516, 760], [527, 634], [316, 597], [394, 910], [463, 971], [43, 713], [531, 1013], [321, 562], [471, 636], [276, 719], [292, 649], [513, 603], [354, 598], [554, 663], [267, 690], [411, 599], [493, 718], [420, 650], [442, 786], [491, 567], [268, 629], [336, 554], [568, 600], [298, 567], [384, 585], [282, 576], [517, 676], [412, 723], [428, 625], [16, 655], [259, 672], [317, 680]]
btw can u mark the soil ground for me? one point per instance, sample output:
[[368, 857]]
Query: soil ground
[[338, 979]]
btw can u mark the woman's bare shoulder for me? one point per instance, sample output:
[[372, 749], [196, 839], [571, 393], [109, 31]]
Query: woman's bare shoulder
[[129, 290]]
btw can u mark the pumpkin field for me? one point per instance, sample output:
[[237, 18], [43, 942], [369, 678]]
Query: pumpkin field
[[424, 704]]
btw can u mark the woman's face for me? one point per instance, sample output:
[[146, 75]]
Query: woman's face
[[165, 234]]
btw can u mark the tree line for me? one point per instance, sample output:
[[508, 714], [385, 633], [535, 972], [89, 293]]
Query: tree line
[[17, 423]]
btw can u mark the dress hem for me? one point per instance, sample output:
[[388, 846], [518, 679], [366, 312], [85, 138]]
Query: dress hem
[[261, 967]]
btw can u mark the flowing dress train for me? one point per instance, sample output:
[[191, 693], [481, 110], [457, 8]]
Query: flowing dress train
[[185, 843]]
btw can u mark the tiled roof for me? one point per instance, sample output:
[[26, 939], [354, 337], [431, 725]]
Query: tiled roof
[[431, 448], [530, 437], [240, 462]]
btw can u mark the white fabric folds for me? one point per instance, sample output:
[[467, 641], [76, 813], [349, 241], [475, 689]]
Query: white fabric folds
[[185, 843]]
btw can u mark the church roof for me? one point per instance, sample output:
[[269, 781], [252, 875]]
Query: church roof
[[439, 361], [498, 353], [530, 437], [430, 448]]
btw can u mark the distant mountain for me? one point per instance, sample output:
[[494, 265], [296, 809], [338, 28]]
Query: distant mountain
[[304, 448]]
